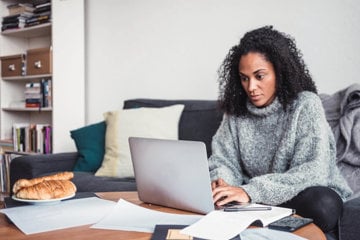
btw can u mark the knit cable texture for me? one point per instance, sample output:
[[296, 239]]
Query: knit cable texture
[[274, 154]]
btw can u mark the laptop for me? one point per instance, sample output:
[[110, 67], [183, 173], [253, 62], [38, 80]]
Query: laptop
[[172, 173]]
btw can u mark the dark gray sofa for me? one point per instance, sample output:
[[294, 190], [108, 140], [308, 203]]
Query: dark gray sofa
[[199, 121]]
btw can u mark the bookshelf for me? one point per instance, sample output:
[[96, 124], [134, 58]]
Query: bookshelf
[[67, 111], [13, 102]]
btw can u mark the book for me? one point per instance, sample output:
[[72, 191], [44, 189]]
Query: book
[[4, 174], [20, 8], [39, 138], [12, 18], [32, 138], [26, 15], [32, 105], [19, 138], [46, 93], [38, 94], [47, 139], [37, 18], [32, 24], [15, 21], [33, 95], [6, 145], [42, 9], [43, 4], [172, 232]]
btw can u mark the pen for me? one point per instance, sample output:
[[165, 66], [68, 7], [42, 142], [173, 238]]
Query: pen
[[239, 209]]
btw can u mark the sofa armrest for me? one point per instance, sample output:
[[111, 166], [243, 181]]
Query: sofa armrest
[[31, 166]]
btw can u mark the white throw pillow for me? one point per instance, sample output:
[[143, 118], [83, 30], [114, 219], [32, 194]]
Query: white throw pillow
[[160, 123]]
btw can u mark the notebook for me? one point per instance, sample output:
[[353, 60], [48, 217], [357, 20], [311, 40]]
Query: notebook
[[172, 173]]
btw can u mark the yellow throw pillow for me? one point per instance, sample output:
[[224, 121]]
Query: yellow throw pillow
[[162, 123], [110, 161]]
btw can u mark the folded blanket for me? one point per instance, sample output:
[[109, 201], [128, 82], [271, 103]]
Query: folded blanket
[[341, 102], [352, 176], [343, 114]]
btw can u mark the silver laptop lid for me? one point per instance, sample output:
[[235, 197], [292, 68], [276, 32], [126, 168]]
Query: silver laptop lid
[[172, 173]]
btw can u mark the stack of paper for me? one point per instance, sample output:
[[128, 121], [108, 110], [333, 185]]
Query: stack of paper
[[130, 217], [233, 223], [41, 218]]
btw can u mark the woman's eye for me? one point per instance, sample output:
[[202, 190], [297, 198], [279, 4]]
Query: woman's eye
[[243, 78], [260, 76]]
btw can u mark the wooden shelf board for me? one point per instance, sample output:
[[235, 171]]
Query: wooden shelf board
[[29, 32], [28, 77], [23, 109]]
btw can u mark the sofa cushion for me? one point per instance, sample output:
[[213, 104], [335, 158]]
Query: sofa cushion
[[109, 165], [350, 221], [90, 144], [199, 120], [160, 123]]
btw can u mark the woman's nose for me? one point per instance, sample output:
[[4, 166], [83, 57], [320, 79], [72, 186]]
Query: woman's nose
[[252, 85]]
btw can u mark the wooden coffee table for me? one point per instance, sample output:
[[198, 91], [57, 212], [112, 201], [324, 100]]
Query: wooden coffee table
[[11, 232]]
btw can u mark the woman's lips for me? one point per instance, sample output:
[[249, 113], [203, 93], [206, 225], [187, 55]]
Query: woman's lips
[[255, 97]]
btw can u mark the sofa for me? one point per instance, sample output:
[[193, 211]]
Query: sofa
[[199, 121]]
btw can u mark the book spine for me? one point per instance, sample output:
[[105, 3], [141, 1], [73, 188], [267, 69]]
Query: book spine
[[32, 138]]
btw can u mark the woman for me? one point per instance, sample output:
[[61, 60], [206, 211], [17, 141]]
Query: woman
[[274, 145]]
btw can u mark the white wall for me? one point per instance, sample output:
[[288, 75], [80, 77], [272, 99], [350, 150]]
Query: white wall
[[69, 72], [172, 48]]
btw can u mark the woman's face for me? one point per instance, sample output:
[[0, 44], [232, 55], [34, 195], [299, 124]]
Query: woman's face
[[257, 76]]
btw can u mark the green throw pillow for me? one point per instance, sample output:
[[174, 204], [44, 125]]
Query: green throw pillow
[[90, 144]]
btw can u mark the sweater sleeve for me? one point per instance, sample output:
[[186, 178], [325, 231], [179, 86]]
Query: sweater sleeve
[[312, 163], [225, 154]]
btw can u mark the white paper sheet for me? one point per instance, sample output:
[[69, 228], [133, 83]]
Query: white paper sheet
[[130, 217], [226, 225], [41, 218], [267, 234]]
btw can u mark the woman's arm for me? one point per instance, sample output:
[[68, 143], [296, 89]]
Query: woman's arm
[[224, 161], [312, 164]]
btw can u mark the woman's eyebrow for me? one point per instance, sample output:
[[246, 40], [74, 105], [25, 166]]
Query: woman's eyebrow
[[259, 70], [255, 72]]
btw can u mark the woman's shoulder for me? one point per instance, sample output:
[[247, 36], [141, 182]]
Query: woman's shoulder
[[308, 98], [308, 103]]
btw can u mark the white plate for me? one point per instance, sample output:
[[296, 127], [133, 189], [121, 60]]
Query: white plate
[[42, 202]]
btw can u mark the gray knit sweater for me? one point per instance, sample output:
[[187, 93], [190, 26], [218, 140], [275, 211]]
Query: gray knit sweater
[[273, 154]]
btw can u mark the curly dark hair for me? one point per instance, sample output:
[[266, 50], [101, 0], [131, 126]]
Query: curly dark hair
[[292, 75]]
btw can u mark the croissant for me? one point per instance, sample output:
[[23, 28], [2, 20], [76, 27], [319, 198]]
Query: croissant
[[49, 189], [22, 183]]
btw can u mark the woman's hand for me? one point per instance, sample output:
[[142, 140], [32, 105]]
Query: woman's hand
[[223, 193]]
